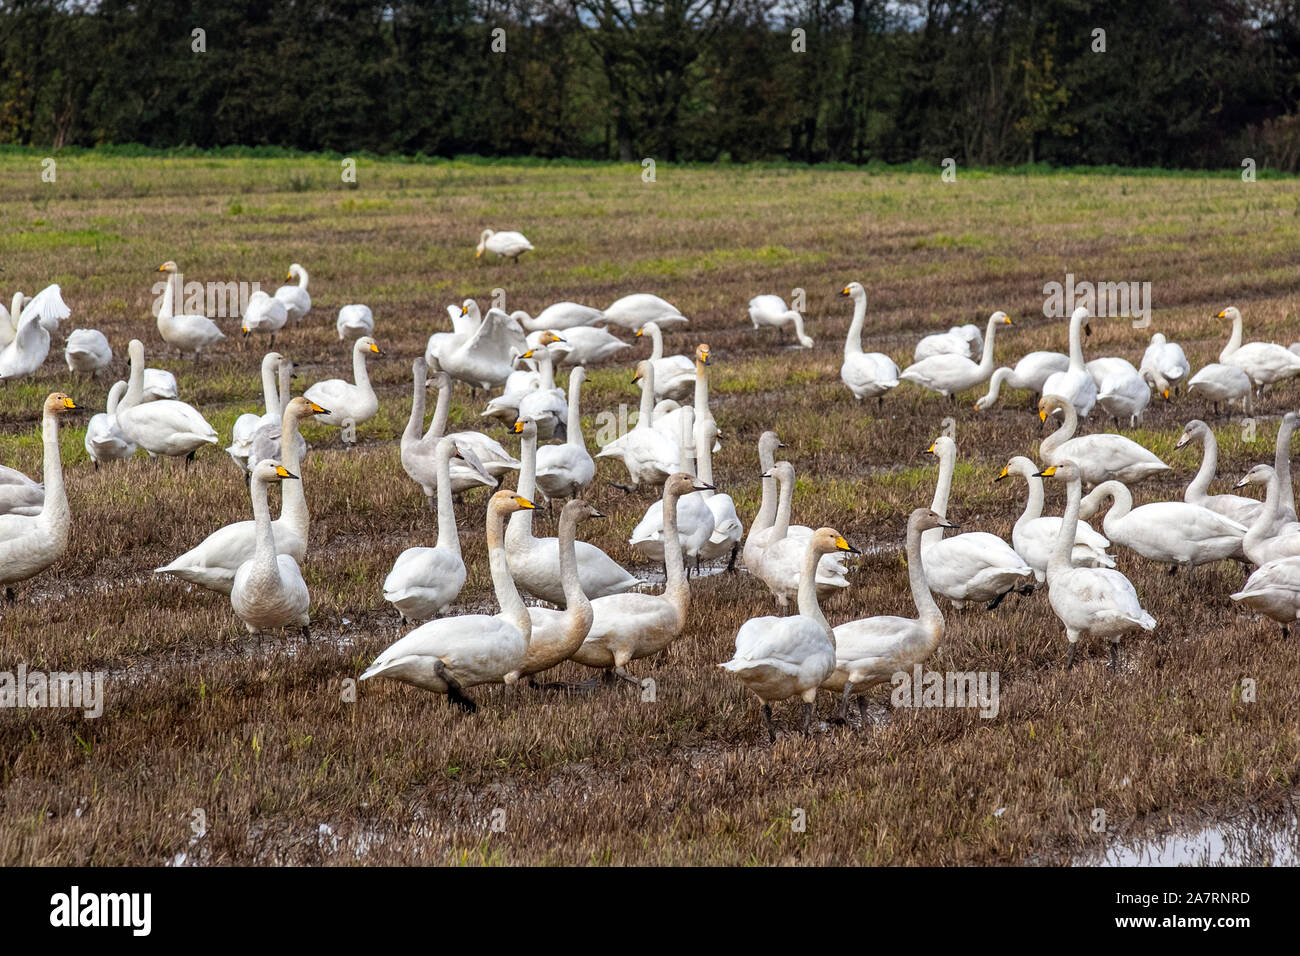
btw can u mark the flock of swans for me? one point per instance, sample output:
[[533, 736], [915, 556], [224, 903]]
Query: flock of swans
[[596, 612]]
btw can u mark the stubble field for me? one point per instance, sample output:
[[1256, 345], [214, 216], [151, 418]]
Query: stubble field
[[260, 744]]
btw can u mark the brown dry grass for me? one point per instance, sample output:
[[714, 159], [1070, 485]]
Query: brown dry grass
[[263, 742]]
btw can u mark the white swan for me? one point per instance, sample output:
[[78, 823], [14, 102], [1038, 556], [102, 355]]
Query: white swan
[[669, 423], [1238, 508], [546, 405], [1034, 536], [523, 381], [247, 424], [1175, 533], [628, 627], [558, 634], [949, 374], [490, 454], [871, 651], [780, 562], [212, 563], [1223, 383], [164, 426], [1122, 392], [694, 517], [187, 333], [295, 298], [421, 455], [774, 504], [505, 245], [1274, 591], [674, 374], [47, 305], [1282, 465], [964, 340], [1264, 362], [782, 657], [449, 654], [104, 440], [266, 439], [1090, 602], [355, 320], [350, 403], [648, 455], [31, 543], [581, 345], [867, 374], [268, 591], [425, 580], [19, 495], [1029, 374], [1075, 385], [1167, 361], [559, 317], [87, 350], [974, 565], [567, 470], [1272, 536], [28, 350], [264, 313], [1099, 457], [727, 528], [465, 321], [533, 561], [158, 384], [770, 311], [635, 310], [486, 358]]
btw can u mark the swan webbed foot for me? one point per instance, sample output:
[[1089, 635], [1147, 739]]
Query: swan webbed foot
[[626, 489], [767, 720], [993, 605]]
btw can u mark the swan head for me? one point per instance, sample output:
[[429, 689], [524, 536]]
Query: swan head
[[923, 519], [805, 341], [577, 511], [549, 338], [60, 404], [1192, 431], [470, 307], [855, 290], [1019, 465], [768, 443], [167, 266], [135, 351], [1050, 405], [367, 344], [527, 428], [269, 470], [643, 370], [294, 270], [702, 354], [303, 408], [482, 243], [1231, 313], [1259, 475], [942, 446], [829, 541], [508, 502], [1158, 338], [683, 484], [1067, 471], [997, 318]]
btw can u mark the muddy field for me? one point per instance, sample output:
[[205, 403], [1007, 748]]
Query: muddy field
[[215, 750]]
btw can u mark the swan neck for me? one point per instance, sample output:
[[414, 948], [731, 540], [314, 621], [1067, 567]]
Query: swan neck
[[521, 522], [415, 424], [56, 498], [808, 603], [441, 411], [360, 374], [1070, 421], [270, 390], [926, 608], [1034, 500], [512, 606], [167, 310], [986, 360], [942, 488], [574, 428], [1076, 343], [264, 553], [576, 604], [448, 537], [1282, 459], [1060, 559], [676, 588], [1200, 485], [782, 525], [646, 411], [853, 343], [293, 498]]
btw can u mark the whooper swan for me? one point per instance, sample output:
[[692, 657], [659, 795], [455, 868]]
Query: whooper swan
[[1264, 362], [1274, 591], [1090, 602], [31, 543], [949, 374], [867, 374], [350, 403], [425, 580], [558, 634], [567, 470], [1217, 383], [268, 591], [964, 340], [450, 654], [559, 317], [420, 454], [104, 440], [162, 427], [1175, 533], [1167, 362], [782, 657], [355, 320], [295, 298], [505, 245], [770, 311], [649, 456], [1236, 507], [870, 651], [264, 313], [187, 333], [780, 562], [1271, 536], [87, 350], [247, 424], [633, 311], [1075, 385], [1098, 457], [1034, 536]]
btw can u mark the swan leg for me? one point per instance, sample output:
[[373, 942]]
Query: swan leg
[[189, 458], [430, 502], [731, 563], [1069, 658], [862, 710], [10, 597], [306, 632], [454, 691], [620, 671], [842, 713], [993, 605], [1114, 655], [807, 718], [767, 719]]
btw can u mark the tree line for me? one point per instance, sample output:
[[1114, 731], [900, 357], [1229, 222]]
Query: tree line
[[1176, 83]]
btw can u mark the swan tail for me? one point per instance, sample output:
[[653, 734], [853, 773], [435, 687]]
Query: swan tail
[[1143, 620]]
